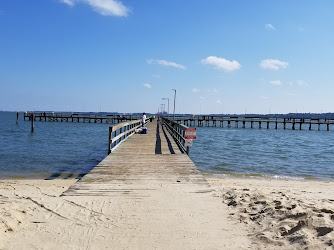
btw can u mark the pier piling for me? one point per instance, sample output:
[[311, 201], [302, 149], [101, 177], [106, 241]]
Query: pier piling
[[32, 119]]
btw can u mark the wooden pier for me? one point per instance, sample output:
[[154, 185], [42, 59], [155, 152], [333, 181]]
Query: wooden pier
[[157, 197], [79, 117], [255, 122], [192, 121]]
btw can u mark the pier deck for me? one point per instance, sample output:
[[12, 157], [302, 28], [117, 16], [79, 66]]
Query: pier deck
[[156, 198]]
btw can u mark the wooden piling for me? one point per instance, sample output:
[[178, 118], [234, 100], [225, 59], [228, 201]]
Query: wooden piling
[[17, 118], [32, 118]]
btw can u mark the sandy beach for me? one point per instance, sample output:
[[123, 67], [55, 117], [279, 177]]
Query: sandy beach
[[281, 214], [273, 214]]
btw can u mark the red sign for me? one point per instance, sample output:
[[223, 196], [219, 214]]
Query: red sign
[[188, 142], [190, 133]]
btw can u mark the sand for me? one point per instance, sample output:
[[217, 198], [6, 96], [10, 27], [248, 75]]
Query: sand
[[268, 214], [281, 214]]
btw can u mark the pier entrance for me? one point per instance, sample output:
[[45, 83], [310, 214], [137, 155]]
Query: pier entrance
[[155, 197]]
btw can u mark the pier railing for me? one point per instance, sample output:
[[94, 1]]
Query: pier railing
[[122, 131], [177, 130], [79, 117], [261, 122]]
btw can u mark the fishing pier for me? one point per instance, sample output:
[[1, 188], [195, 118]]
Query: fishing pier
[[254, 122], [191, 121], [78, 117], [157, 196], [156, 153]]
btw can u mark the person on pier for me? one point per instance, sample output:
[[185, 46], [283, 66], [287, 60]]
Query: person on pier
[[143, 119]]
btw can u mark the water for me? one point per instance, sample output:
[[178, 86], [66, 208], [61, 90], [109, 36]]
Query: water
[[55, 148], [67, 150], [268, 153]]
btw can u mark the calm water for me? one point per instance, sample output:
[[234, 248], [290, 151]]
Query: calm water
[[54, 148], [268, 153], [66, 150]]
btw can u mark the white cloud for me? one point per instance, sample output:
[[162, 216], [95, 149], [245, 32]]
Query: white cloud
[[298, 83], [221, 63], [269, 26], [302, 83], [276, 82], [219, 102], [103, 7], [147, 85], [156, 76], [166, 63], [273, 64], [195, 90], [213, 90], [69, 2], [264, 97], [202, 98]]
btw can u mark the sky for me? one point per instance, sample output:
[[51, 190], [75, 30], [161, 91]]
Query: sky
[[221, 56]]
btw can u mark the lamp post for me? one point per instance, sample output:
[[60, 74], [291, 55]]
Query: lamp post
[[162, 105], [174, 103], [168, 103]]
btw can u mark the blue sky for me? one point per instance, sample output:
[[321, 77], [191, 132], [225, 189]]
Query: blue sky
[[220, 55]]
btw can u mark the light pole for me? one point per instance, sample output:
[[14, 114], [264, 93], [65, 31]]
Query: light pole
[[174, 103], [168, 103], [162, 109]]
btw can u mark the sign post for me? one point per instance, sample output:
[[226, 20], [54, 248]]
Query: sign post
[[189, 135]]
